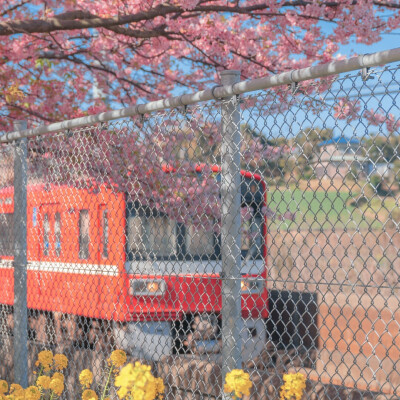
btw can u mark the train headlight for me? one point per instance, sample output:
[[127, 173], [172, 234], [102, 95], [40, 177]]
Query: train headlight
[[153, 287], [147, 287], [252, 285]]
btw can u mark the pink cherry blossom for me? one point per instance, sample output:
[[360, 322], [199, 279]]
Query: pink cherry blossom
[[375, 117], [392, 123], [347, 109], [56, 64]]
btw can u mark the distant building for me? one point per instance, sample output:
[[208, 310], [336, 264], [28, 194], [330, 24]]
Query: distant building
[[384, 170], [339, 156]]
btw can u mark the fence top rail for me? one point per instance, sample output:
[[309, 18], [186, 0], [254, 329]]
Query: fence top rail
[[219, 92]]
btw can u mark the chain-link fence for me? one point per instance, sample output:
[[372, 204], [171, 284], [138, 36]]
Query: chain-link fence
[[256, 231]]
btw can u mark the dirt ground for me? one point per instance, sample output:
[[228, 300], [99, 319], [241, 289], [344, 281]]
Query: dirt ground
[[355, 275]]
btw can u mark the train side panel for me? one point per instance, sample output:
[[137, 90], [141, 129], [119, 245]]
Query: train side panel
[[6, 260], [76, 251]]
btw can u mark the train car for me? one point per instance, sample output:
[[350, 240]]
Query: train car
[[97, 257]]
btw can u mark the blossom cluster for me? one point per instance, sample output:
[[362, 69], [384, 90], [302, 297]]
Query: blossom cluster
[[86, 378], [136, 382], [48, 78], [46, 361], [293, 387], [50, 380], [132, 381], [238, 383]]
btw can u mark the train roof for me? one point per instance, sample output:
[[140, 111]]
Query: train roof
[[37, 187]]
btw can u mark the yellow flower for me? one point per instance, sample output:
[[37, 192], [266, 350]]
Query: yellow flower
[[3, 387], [16, 392], [57, 386], [89, 394], [43, 381], [238, 382], [137, 382], [118, 358], [45, 359], [293, 387], [160, 388], [86, 378], [16, 389], [58, 375], [60, 362], [32, 393]]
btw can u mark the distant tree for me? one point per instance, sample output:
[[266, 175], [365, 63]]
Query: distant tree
[[307, 140], [264, 155], [383, 148], [306, 144]]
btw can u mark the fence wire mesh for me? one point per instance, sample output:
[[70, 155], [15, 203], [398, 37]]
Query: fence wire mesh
[[132, 243]]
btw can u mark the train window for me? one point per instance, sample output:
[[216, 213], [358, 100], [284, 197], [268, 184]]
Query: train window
[[84, 234], [135, 242], [6, 234], [161, 234], [151, 236], [199, 242], [252, 237], [46, 234], [57, 233], [105, 234]]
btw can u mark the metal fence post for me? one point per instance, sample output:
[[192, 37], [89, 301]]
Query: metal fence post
[[230, 230], [20, 259]]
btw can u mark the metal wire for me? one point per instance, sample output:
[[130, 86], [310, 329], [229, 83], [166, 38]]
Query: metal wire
[[132, 242]]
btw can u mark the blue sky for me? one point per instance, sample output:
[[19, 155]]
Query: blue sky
[[389, 41], [289, 123]]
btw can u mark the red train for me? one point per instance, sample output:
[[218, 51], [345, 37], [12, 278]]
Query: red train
[[156, 282]]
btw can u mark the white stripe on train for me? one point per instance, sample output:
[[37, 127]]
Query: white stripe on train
[[71, 268], [253, 267]]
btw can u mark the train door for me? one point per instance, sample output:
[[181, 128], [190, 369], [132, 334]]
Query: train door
[[102, 250], [50, 246], [103, 235], [88, 269], [50, 254]]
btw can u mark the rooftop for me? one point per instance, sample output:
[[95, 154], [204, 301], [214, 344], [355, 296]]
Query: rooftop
[[339, 140]]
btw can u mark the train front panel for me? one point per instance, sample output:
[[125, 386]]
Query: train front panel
[[174, 284]]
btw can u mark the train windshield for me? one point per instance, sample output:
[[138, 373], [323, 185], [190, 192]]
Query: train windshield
[[252, 236], [152, 235], [252, 233]]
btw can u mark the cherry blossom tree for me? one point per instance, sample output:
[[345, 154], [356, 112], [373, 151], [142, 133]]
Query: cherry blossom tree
[[52, 52], [62, 60]]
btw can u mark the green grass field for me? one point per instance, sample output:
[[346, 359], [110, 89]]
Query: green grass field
[[326, 210]]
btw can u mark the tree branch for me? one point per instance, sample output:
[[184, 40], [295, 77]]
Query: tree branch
[[96, 67], [73, 20], [31, 112], [8, 10]]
